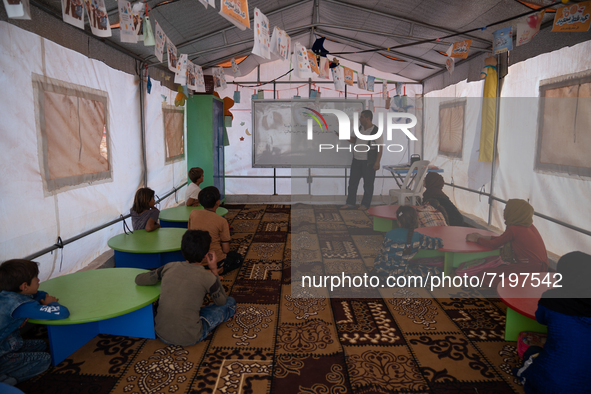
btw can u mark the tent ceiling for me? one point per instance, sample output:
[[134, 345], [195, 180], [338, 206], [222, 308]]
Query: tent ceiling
[[349, 26]]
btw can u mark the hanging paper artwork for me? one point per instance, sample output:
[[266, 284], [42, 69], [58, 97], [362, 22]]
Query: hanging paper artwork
[[172, 55], [237, 100], [206, 2], [280, 43], [191, 76], [459, 49], [370, 83], [323, 67], [450, 64], [573, 18], [384, 89], [160, 40], [235, 11], [339, 78], [219, 79], [399, 88], [180, 75], [98, 18], [262, 42], [302, 64], [235, 68], [126, 28], [313, 62], [73, 12], [349, 76], [503, 40], [138, 11], [20, 9], [528, 28], [199, 80], [361, 81]]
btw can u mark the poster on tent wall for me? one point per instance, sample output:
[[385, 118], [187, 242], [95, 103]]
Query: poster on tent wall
[[450, 64], [503, 40], [138, 10], [98, 18], [180, 75], [235, 11], [313, 62], [160, 39], [529, 28], [219, 79], [361, 81], [126, 29], [573, 18], [172, 55], [324, 68], [73, 13], [384, 89], [338, 78], [459, 49], [370, 83], [349, 76], [262, 42], [280, 43], [235, 68], [302, 67]]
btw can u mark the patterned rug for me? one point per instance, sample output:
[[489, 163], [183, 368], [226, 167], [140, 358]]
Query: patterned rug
[[298, 340]]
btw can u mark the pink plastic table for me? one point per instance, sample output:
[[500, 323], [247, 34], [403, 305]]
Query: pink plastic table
[[522, 303], [456, 249]]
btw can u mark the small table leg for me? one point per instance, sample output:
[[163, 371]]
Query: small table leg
[[517, 323]]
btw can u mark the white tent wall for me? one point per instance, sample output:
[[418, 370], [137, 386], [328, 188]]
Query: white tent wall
[[238, 156], [560, 196], [33, 218]]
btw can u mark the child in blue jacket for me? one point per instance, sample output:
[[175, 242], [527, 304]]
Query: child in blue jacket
[[20, 299]]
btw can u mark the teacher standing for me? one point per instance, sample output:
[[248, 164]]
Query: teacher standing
[[365, 163]]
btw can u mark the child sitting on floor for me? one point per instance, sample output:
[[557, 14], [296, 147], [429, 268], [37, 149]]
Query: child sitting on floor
[[181, 320], [402, 244], [192, 193], [20, 300], [144, 214], [563, 364]]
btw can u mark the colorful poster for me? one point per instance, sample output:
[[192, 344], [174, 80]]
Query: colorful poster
[[450, 64], [459, 49], [503, 40], [349, 76], [73, 12], [339, 78], [573, 18], [191, 76], [399, 88], [160, 39], [98, 18], [219, 79], [126, 28], [313, 62], [199, 80], [180, 75], [280, 43], [235, 68], [370, 83], [138, 11], [529, 28], [323, 68], [235, 11], [384, 89], [301, 60], [361, 81], [262, 42], [172, 56]]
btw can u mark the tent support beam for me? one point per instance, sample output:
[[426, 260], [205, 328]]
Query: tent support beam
[[494, 157], [143, 126]]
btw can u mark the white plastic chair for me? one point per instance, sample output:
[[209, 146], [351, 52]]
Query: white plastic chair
[[417, 187]]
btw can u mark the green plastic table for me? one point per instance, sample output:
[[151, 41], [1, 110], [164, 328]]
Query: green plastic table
[[384, 217], [102, 301], [142, 249], [456, 249], [179, 216], [522, 303]]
